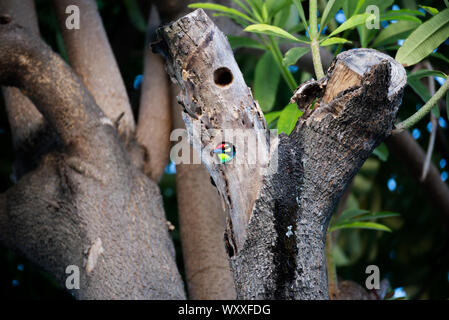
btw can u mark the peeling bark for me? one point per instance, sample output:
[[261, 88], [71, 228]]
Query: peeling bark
[[342, 124], [202, 225]]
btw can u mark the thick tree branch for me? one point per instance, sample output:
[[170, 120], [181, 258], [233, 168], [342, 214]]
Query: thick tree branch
[[279, 218], [92, 59], [29, 64], [31, 136], [215, 96], [154, 122], [85, 205]]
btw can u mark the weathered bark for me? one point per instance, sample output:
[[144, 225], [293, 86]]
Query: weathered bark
[[154, 122], [202, 225], [92, 59], [355, 108], [85, 204], [30, 134]]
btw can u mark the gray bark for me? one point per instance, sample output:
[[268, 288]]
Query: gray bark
[[355, 108], [85, 204]]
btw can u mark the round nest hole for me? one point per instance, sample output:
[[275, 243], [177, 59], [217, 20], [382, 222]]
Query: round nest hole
[[5, 19], [223, 77]]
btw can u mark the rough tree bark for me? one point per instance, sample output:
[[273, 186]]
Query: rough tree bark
[[85, 204], [202, 224], [347, 114], [30, 134]]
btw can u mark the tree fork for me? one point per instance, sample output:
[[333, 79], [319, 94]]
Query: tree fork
[[347, 114]]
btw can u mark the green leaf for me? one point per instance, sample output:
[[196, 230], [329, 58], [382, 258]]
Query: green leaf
[[404, 17], [419, 89], [266, 81], [274, 6], [348, 214], [333, 40], [382, 152], [271, 116], [353, 22], [283, 17], [265, 12], [271, 31], [220, 8], [440, 56], [288, 118], [238, 42], [294, 54], [360, 225], [377, 215], [243, 23], [446, 2], [395, 31], [330, 11], [431, 10], [426, 73], [424, 39], [300, 9], [243, 6]]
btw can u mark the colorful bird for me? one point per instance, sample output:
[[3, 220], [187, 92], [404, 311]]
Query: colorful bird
[[225, 152]]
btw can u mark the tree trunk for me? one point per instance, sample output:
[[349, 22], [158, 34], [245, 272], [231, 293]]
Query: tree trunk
[[85, 205], [279, 213]]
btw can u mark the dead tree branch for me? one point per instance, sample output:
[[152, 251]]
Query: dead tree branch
[[354, 110]]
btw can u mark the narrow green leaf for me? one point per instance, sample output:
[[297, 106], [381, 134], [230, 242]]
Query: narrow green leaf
[[274, 6], [220, 8], [243, 6], [333, 40], [446, 2], [294, 54], [377, 215], [439, 56], [288, 118], [394, 32], [361, 225], [300, 9], [271, 116], [266, 81], [419, 89], [271, 31], [403, 17], [382, 152], [238, 42], [283, 17], [330, 11], [424, 39], [265, 12], [348, 214], [243, 23], [353, 22], [426, 73], [431, 10]]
